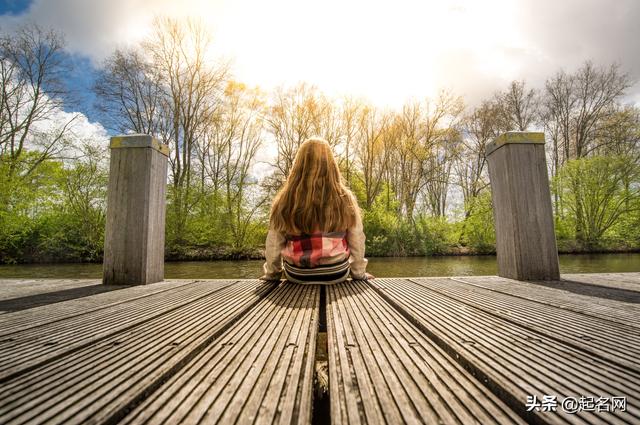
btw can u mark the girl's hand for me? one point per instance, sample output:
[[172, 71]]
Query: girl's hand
[[369, 276]]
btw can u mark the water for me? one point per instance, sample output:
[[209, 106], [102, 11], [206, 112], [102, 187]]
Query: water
[[381, 267]]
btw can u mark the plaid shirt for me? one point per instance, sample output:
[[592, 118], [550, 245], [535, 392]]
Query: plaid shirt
[[316, 249]]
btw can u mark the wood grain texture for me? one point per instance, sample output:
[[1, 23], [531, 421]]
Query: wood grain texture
[[384, 370], [259, 371], [24, 349], [525, 239], [98, 382], [569, 297], [626, 281], [19, 288], [512, 360], [419, 350], [135, 222], [612, 341], [47, 314]]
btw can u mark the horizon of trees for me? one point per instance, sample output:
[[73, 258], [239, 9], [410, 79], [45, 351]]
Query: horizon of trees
[[404, 165]]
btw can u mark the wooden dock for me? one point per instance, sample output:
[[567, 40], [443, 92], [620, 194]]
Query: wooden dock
[[432, 350]]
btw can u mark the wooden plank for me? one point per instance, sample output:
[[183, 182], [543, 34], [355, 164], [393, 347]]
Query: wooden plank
[[628, 277], [384, 370], [19, 288], [100, 382], [259, 371], [515, 362], [624, 281], [559, 295], [632, 277], [615, 342], [37, 316], [25, 349]]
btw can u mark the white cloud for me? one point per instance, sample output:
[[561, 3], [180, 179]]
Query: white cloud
[[80, 132], [386, 51]]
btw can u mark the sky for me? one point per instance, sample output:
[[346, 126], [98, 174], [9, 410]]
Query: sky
[[385, 51]]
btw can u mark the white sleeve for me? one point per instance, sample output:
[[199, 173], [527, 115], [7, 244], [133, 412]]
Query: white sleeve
[[356, 240], [273, 246]]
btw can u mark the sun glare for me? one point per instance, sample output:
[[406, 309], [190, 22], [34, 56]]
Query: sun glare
[[383, 51]]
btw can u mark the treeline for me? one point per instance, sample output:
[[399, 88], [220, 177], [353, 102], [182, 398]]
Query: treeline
[[420, 173]]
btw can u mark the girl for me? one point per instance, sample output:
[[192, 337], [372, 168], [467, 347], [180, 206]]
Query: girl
[[315, 223]]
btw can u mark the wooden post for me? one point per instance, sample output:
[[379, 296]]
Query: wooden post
[[134, 236], [525, 237]]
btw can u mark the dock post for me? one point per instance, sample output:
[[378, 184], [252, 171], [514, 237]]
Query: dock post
[[525, 237], [134, 234]]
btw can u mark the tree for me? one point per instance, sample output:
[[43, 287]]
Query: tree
[[371, 150], [349, 129], [293, 116], [84, 187], [425, 148], [480, 127], [596, 187], [243, 135], [619, 133], [517, 107], [170, 88], [409, 155], [131, 95], [576, 105], [32, 65], [440, 165]]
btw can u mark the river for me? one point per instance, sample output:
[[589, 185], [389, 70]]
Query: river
[[381, 267]]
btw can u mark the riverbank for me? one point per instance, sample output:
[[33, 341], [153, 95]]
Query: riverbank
[[463, 265], [221, 253], [204, 253]]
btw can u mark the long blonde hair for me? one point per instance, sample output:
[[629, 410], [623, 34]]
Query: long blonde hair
[[314, 195]]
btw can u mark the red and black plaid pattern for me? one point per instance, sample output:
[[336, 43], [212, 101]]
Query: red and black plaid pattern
[[319, 248]]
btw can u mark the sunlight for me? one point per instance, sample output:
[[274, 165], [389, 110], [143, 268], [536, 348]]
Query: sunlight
[[364, 49]]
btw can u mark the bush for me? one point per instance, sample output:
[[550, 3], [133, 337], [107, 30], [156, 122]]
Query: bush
[[597, 195], [478, 231]]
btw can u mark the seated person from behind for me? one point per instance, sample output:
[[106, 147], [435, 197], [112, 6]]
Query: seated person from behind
[[315, 231]]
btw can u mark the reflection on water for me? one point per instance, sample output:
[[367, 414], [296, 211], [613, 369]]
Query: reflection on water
[[382, 267]]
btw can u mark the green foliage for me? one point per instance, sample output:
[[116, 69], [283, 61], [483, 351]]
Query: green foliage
[[22, 201], [58, 214], [599, 198], [478, 231], [626, 231], [437, 235], [53, 210], [381, 229], [54, 214], [565, 229], [391, 235]]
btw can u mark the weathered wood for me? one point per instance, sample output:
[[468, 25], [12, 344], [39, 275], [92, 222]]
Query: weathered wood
[[513, 361], [525, 238], [259, 371], [448, 350], [134, 235], [20, 288], [558, 295], [100, 382], [47, 314], [25, 349], [626, 281], [383, 369], [615, 342]]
